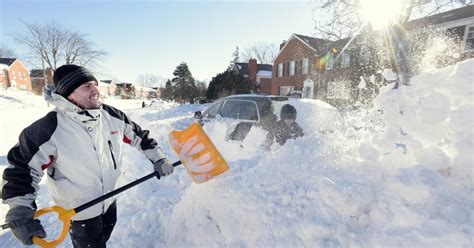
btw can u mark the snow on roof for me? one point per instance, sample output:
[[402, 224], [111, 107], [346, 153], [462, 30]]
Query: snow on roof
[[148, 89], [103, 84], [264, 74]]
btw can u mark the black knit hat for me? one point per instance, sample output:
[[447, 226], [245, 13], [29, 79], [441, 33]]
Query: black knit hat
[[288, 112], [68, 77]]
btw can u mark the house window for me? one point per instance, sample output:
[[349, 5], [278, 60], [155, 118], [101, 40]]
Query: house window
[[330, 62], [469, 38], [338, 90], [285, 90], [292, 68], [280, 70], [305, 65], [346, 60]]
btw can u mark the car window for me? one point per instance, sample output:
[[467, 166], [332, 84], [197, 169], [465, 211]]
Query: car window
[[240, 109], [212, 110]]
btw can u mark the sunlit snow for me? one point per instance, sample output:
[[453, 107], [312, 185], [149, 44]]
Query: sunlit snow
[[398, 174]]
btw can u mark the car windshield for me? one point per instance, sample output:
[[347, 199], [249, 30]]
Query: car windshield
[[212, 111], [240, 109]]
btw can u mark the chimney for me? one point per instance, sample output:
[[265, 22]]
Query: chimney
[[253, 70], [282, 44], [49, 76]]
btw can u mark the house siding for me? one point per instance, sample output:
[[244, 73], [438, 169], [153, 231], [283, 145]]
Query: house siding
[[4, 83], [19, 76], [294, 50]]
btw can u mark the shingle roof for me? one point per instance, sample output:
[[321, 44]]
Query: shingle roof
[[320, 45], [106, 81], [448, 16], [244, 68], [7, 61]]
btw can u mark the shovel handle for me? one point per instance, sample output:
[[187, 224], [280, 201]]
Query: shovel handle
[[64, 216]]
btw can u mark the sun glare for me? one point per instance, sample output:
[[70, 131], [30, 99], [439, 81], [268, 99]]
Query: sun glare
[[380, 13]]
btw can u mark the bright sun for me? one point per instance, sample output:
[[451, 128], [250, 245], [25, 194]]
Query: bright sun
[[380, 13]]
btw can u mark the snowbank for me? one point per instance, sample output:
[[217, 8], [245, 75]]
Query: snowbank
[[396, 175]]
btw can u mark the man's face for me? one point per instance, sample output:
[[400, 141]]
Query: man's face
[[86, 96]]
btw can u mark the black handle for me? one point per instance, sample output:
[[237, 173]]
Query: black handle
[[119, 190]]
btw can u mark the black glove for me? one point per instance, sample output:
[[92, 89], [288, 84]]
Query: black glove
[[163, 167], [22, 224]]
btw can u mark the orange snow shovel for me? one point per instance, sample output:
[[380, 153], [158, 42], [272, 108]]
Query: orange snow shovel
[[197, 153], [194, 149]]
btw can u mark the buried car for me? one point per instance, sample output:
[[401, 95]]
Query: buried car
[[247, 109], [240, 113]]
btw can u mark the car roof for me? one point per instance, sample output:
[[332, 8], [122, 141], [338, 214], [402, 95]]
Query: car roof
[[258, 96], [247, 96]]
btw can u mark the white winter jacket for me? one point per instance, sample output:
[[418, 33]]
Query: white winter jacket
[[81, 150]]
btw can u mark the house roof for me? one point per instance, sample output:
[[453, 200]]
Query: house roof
[[106, 81], [7, 61], [37, 73], [243, 68], [124, 84], [445, 17], [319, 45]]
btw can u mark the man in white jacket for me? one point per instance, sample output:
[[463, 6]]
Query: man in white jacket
[[79, 146]]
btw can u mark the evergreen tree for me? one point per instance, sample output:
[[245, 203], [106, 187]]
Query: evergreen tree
[[227, 83], [167, 91], [235, 56], [184, 86], [202, 88]]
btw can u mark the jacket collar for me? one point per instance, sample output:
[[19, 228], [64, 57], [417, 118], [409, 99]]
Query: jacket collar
[[72, 110]]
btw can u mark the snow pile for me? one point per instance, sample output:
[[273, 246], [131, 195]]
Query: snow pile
[[420, 141], [396, 175]]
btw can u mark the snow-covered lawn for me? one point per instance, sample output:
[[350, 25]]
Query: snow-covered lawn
[[399, 174]]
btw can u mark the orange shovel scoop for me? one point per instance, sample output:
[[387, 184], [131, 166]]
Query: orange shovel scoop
[[197, 153]]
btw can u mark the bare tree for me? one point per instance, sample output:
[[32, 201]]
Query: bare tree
[[52, 45], [148, 80], [338, 19], [6, 52], [264, 53]]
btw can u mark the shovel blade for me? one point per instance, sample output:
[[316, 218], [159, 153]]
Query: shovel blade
[[198, 154]]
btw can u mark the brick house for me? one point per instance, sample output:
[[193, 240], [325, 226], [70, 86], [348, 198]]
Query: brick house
[[145, 92], [343, 71], [105, 87], [14, 74], [122, 89], [294, 65], [39, 78], [259, 75], [157, 92]]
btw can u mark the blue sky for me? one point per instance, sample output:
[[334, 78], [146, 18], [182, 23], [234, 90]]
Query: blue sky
[[155, 36]]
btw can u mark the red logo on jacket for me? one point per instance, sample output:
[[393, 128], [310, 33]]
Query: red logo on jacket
[[114, 132]]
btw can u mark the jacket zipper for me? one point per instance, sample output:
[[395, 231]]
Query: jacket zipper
[[112, 154]]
